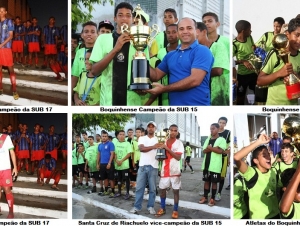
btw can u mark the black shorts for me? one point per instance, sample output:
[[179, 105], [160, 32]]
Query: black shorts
[[107, 173], [75, 170], [123, 175], [211, 176], [245, 81], [188, 159], [95, 175], [81, 168]]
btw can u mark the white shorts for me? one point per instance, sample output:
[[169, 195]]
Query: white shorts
[[166, 182]]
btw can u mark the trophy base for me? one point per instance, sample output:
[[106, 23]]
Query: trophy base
[[261, 94], [160, 158], [139, 86], [293, 91]]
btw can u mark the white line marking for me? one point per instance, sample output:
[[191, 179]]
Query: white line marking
[[33, 179], [41, 192], [35, 72], [24, 102]]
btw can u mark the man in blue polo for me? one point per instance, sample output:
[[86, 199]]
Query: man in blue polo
[[189, 68]]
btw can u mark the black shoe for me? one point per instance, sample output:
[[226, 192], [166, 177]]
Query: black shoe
[[92, 191], [228, 187]]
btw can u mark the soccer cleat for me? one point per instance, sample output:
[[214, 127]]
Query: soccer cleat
[[1, 91], [44, 67], [127, 196], [192, 172], [105, 193], [175, 214], [117, 195], [15, 95], [203, 200], [36, 66], [218, 197], [160, 212], [111, 195], [228, 187], [211, 202]]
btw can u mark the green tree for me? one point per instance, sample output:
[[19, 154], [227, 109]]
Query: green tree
[[80, 15], [109, 122]]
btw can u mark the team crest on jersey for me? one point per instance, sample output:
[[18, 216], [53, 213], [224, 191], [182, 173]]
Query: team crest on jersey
[[20, 28], [40, 136], [7, 181], [4, 26], [106, 146], [36, 29], [53, 31], [54, 138], [120, 57]]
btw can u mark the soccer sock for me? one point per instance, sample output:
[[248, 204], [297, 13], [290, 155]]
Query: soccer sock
[[221, 184], [63, 165], [36, 60], [175, 207], [191, 168], [163, 203], [213, 193], [113, 190], [13, 82], [206, 191], [10, 202], [127, 185], [119, 187]]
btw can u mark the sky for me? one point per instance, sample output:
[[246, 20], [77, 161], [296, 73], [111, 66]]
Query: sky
[[210, 116], [43, 9], [261, 14]]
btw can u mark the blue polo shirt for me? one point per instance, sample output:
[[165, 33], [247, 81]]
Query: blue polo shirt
[[179, 64], [105, 149]]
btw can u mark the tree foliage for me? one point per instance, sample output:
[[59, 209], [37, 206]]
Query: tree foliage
[[109, 122], [81, 16]]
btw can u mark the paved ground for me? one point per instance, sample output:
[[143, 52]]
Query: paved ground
[[92, 206]]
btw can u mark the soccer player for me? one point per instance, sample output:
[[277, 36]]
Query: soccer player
[[189, 81], [81, 166], [64, 37], [74, 44], [220, 73], [34, 42], [23, 150], [91, 162], [85, 139], [89, 36], [187, 160], [18, 41], [170, 171], [7, 153], [275, 73], [263, 203], [47, 168], [242, 48], [87, 89], [98, 138], [37, 147], [6, 58], [53, 140], [275, 143], [26, 42], [267, 37], [50, 36], [213, 148], [105, 27], [75, 164], [64, 147], [110, 58], [123, 151]]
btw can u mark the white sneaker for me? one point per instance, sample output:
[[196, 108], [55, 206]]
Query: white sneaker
[[218, 197], [134, 210], [151, 210]]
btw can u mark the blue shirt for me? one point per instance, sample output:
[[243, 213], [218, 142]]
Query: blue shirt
[[53, 141], [105, 149], [32, 37], [19, 29], [50, 33], [179, 64], [63, 58], [37, 141], [275, 145], [27, 37], [5, 27], [50, 165], [64, 144], [64, 33], [23, 144]]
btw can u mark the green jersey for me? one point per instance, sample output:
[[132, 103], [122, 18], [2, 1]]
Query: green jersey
[[281, 167], [188, 151], [215, 164], [226, 42], [220, 93], [240, 208], [91, 156], [81, 158], [294, 212], [263, 203], [242, 51], [74, 157], [78, 65], [277, 91], [266, 38], [121, 150], [103, 45], [90, 87], [86, 144], [165, 80]]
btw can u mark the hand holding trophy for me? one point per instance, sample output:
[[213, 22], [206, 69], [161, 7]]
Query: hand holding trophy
[[281, 43], [140, 39], [162, 136]]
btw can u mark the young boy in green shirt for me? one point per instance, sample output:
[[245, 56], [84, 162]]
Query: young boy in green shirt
[[87, 89], [122, 153], [290, 202], [261, 179], [275, 73], [91, 162], [213, 148], [74, 166]]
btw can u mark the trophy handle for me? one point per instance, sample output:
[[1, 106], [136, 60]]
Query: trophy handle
[[124, 28], [155, 29]]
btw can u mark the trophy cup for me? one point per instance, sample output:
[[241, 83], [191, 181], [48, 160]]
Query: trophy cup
[[140, 38], [281, 43], [291, 127], [162, 136]]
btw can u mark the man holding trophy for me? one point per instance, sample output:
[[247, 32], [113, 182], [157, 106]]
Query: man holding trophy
[[283, 77], [122, 59]]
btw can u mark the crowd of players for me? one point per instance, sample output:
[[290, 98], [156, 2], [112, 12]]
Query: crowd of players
[[101, 64]]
